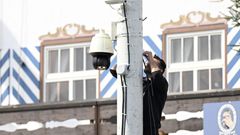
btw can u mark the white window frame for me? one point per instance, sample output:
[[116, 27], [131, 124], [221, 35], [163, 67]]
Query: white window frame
[[71, 75], [195, 65]]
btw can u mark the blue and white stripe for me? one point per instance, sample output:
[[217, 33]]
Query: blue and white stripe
[[26, 75], [233, 58], [153, 43], [24, 71], [5, 75], [108, 84]]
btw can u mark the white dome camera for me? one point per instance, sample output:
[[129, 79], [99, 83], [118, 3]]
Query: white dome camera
[[101, 50]]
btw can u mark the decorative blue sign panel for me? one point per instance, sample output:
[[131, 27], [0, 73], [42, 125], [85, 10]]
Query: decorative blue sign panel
[[222, 118]]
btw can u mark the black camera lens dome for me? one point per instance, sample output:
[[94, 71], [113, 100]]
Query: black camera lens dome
[[101, 61]]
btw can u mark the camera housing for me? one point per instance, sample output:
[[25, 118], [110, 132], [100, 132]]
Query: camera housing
[[101, 50]]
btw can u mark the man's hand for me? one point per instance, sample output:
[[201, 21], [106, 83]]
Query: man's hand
[[153, 63], [148, 55]]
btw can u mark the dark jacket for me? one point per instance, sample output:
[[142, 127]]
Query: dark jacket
[[154, 98]]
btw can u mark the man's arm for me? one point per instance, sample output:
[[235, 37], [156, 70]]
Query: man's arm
[[153, 63]]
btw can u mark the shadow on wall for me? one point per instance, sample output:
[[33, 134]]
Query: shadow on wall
[[7, 38]]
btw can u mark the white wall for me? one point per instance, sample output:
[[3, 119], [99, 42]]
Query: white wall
[[11, 23], [23, 21], [162, 11]]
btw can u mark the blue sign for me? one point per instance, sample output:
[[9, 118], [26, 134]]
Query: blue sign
[[222, 118]]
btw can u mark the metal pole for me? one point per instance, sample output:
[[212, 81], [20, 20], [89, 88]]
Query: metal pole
[[134, 122]]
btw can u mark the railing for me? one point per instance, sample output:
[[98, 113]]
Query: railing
[[183, 115], [65, 118]]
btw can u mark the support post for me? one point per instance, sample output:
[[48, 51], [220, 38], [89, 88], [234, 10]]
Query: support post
[[134, 122]]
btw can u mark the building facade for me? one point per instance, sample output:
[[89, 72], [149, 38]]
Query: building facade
[[202, 55]]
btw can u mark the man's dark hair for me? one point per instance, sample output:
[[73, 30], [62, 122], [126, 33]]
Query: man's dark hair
[[162, 64]]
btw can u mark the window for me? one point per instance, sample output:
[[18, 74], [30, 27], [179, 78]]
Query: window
[[57, 91], [68, 73], [195, 61]]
